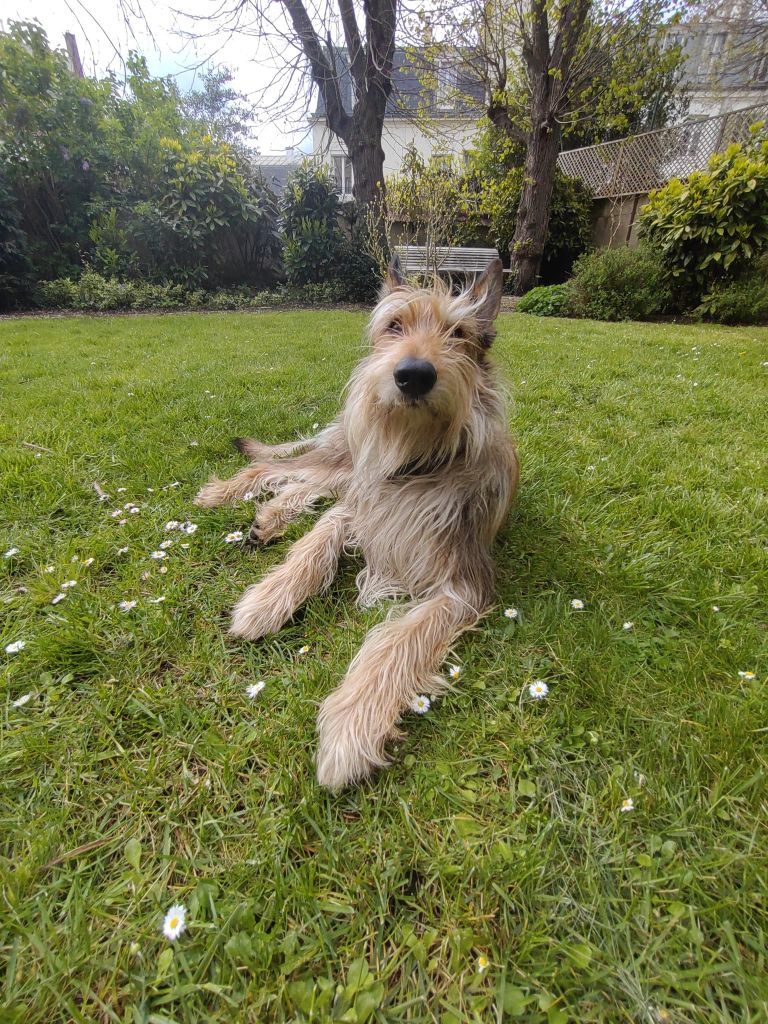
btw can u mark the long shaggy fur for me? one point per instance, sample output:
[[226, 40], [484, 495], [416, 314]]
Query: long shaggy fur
[[421, 487]]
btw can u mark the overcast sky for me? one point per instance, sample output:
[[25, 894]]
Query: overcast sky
[[103, 39]]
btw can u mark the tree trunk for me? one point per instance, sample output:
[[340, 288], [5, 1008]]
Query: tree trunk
[[543, 146], [367, 156]]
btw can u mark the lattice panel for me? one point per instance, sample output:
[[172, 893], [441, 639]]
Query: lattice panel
[[638, 164]]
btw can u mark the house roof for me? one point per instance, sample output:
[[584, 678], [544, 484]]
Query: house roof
[[408, 91]]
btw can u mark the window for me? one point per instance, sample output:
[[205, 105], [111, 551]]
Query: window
[[442, 162], [342, 172], [445, 94]]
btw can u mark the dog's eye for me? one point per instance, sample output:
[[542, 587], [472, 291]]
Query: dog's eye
[[460, 333], [395, 327]]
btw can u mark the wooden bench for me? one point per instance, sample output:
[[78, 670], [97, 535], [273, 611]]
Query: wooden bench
[[422, 259]]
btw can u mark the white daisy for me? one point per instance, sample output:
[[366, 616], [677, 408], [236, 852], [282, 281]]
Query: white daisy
[[193, 444], [628, 625], [165, 544], [68, 584], [234, 537], [175, 922], [454, 671], [173, 524], [158, 555], [89, 561], [121, 522], [512, 613], [127, 606], [121, 490], [116, 512], [15, 647], [58, 598], [482, 964], [163, 570], [538, 689], [627, 805], [254, 689], [21, 701], [133, 510], [248, 495], [304, 649], [122, 551], [189, 528], [11, 552], [50, 568], [715, 607], [747, 675], [577, 604], [421, 704]]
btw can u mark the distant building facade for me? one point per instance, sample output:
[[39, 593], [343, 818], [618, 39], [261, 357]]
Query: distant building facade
[[726, 60], [439, 122]]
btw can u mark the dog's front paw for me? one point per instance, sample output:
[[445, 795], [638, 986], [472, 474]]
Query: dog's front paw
[[255, 614], [347, 753]]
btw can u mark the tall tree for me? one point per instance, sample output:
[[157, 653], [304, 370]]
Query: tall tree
[[591, 69], [303, 34], [226, 113]]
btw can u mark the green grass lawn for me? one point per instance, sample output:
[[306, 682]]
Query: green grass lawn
[[139, 774]]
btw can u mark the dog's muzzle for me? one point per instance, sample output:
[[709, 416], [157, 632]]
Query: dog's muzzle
[[415, 377]]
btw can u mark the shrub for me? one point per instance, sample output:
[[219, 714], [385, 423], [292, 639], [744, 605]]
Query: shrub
[[547, 300], [58, 294], [316, 251], [15, 268], [619, 284], [714, 222], [743, 301]]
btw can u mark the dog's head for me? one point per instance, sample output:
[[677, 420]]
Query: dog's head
[[413, 399]]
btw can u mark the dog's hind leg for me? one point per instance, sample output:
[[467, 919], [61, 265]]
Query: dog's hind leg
[[249, 482], [309, 569], [398, 661]]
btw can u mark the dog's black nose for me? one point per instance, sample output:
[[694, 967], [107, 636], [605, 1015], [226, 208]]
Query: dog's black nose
[[415, 377]]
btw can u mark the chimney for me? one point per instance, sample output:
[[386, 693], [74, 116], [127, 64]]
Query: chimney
[[75, 64]]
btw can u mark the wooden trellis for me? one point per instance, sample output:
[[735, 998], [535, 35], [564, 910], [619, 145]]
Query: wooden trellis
[[642, 162]]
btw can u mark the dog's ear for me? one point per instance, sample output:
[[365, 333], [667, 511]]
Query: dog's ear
[[486, 291], [395, 277]]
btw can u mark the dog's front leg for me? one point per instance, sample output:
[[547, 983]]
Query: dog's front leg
[[398, 660], [309, 568]]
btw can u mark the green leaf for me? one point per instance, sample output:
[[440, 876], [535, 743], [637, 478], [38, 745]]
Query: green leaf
[[164, 962], [526, 788], [515, 1000], [357, 973], [132, 853]]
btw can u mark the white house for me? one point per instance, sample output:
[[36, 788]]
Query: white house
[[726, 60], [439, 122]]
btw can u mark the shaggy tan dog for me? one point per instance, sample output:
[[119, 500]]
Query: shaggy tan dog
[[423, 470]]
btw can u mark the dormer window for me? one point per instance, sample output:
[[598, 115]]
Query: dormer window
[[445, 94]]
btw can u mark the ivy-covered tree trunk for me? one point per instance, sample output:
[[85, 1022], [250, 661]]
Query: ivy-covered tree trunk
[[532, 223], [548, 59]]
